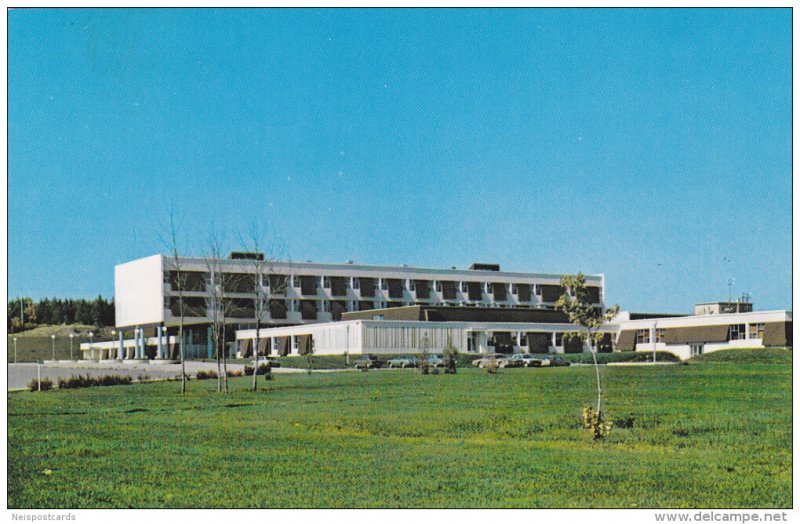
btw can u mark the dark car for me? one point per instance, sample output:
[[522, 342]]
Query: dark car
[[558, 362], [368, 361], [272, 361]]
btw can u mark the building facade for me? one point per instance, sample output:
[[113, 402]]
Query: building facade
[[695, 335], [350, 308], [149, 293]]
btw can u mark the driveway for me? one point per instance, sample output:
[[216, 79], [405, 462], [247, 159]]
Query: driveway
[[19, 375]]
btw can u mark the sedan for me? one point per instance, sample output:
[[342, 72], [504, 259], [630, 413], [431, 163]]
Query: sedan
[[500, 360], [403, 362], [435, 361], [527, 360], [368, 361]]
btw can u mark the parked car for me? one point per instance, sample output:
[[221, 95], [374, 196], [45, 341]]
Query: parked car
[[267, 359], [501, 360], [557, 361], [435, 361], [368, 361], [527, 360], [403, 362]]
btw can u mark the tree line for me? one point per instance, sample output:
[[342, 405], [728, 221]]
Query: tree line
[[25, 313]]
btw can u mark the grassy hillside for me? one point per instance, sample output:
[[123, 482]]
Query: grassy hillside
[[689, 436], [36, 344], [747, 356]]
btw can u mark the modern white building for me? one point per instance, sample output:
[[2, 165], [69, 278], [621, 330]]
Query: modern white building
[[350, 308], [149, 292]]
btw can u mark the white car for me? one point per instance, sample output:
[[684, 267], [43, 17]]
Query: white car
[[527, 360]]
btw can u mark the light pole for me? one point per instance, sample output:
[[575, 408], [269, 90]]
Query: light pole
[[53, 338], [730, 285], [15, 350], [111, 347], [655, 337], [71, 336]]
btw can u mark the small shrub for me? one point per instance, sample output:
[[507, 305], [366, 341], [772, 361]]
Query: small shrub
[[46, 383], [450, 357], [262, 370], [235, 372], [624, 422], [117, 380], [86, 381], [75, 381], [205, 375], [593, 421], [491, 366]]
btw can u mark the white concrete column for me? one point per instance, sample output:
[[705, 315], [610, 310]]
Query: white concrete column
[[121, 351], [135, 343], [653, 337], [483, 342], [159, 354]]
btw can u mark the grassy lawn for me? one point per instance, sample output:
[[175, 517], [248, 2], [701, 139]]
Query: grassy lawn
[[702, 435]]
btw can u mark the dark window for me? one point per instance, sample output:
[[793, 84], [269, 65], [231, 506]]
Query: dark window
[[277, 308], [367, 287], [448, 290], [278, 284], [308, 285], [308, 310], [422, 289], [188, 280], [338, 286]]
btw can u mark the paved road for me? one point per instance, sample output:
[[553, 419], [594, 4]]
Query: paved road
[[19, 375]]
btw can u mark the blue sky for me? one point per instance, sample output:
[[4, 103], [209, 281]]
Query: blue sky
[[650, 145]]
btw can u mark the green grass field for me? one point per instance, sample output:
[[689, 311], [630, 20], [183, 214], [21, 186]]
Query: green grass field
[[702, 435]]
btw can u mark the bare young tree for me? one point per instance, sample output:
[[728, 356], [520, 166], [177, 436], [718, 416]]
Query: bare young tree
[[178, 280], [262, 289], [217, 307]]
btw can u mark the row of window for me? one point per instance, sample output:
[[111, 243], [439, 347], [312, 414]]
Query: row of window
[[198, 306], [735, 332], [745, 331], [325, 305], [237, 282], [643, 336]]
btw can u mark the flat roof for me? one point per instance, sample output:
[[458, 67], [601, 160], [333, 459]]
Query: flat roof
[[398, 269]]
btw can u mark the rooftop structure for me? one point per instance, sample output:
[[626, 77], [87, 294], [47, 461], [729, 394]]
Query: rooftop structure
[[716, 308]]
